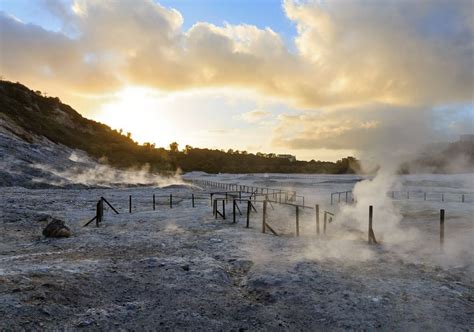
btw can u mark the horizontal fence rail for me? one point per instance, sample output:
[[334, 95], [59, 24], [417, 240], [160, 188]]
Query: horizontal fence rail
[[347, 196], [432, 196], [279, 195], [436, 196]]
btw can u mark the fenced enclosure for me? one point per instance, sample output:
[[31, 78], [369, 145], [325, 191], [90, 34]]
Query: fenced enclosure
[[273, 211], [433, 196], [415, 195], [148, 204], [279, 195]]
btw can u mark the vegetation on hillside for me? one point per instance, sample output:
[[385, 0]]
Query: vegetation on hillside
[[48, 117]]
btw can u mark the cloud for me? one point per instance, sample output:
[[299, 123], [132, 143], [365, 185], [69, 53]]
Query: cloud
[[375, 127], [255, 115], [347, 53], [349, 56]]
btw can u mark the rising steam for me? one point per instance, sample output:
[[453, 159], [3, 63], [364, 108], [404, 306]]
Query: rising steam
[[82, 170]]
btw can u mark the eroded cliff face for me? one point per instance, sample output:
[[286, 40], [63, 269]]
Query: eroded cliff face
[[45, 143], [22, 154]]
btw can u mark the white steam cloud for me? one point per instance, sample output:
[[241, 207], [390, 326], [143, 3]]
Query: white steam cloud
[[87, 172]]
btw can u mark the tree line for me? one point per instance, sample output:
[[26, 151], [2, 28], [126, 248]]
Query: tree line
[[49, 117]]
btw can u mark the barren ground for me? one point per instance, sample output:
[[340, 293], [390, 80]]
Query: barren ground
[[181, 269]]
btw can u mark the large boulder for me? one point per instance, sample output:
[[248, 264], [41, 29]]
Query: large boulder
[[56, 228]]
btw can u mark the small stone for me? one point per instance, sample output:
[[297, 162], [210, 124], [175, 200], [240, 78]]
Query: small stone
[[185, 267], [45, 311], [56, 228], [84, 323]]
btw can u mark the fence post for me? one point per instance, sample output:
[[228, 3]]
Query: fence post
[[331, 198], [408, 195], [171, 201], [316, 208], [264, 215], [223, 209], [325, 222], [347, 193], [371, 231], [424, 196], [248, 214], [99, 212], [297, 221], [462, 199], [442, 197], [192, 199], [441, 229], [370, 222], [154, 202], [233, 210], [130, 203]]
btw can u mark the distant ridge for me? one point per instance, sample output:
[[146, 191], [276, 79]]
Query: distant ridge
[[32, 117], [30, 122]]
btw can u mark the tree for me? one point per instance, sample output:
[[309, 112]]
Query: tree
[[174, 147], [149, 145], [187, 149]]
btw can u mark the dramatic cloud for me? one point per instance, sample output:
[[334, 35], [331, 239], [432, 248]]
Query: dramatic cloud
[[399, 52], [348, 56], [347, 53], [375, 127]]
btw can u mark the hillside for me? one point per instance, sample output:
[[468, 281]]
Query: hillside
[[36, 115], [36, 129]]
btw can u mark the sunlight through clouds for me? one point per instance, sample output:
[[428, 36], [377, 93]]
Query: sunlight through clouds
[[346, 56]]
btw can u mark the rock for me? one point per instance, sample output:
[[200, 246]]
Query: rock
[[84, 323], [56, 228]]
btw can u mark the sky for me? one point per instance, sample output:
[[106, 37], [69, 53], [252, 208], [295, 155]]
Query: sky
[[318, 79]]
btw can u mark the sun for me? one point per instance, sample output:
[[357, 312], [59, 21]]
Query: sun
[[142, 112]]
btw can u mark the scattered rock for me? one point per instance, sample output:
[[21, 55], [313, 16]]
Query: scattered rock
[[84, 323], [56, 228]]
